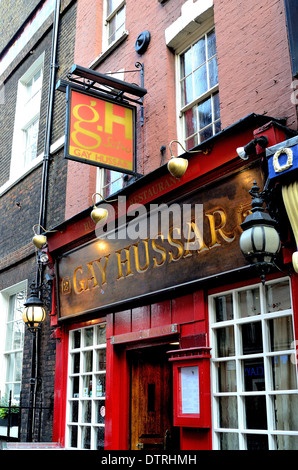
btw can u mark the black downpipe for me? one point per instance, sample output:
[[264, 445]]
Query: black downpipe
[[35, 382], [48, 130]]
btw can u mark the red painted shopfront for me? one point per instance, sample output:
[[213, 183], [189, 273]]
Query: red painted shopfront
[[148, 384]]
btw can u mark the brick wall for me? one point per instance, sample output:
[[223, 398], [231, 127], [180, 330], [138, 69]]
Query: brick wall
[[253, 60], [159, 79], [12, 15], [20, 204]]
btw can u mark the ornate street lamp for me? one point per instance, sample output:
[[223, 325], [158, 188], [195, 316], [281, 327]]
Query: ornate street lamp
[[260, 241]]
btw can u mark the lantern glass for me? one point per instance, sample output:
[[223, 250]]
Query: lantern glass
[[260, 243], [34, 315]]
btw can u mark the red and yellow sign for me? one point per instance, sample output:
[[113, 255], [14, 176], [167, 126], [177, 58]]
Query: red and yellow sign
[[100, 132]]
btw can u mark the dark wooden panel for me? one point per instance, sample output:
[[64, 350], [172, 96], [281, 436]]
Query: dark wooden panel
[[107, 273]]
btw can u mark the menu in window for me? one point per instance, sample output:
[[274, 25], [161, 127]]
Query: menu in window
[[190, 390]]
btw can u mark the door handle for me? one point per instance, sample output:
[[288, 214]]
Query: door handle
[[140, 445]]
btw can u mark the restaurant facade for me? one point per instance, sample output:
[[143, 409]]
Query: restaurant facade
[[167, 338], [165, 234]]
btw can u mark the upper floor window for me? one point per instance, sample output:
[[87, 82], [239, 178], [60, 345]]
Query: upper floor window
[[115, 19], [25, 136], [198, 91], [109, 182]]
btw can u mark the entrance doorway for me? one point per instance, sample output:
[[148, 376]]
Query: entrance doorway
[[151, 407]]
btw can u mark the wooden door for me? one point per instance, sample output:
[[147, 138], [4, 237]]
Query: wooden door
[[151, 401]]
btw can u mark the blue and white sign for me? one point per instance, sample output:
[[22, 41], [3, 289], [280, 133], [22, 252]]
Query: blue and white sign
[[283, 161]]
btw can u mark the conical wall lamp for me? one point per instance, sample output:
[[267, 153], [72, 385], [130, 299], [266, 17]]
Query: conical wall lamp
[[177, 166], [99, 214]]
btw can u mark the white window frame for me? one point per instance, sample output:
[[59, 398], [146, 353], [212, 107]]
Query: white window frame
[[5, 295], [269, 393], [107, 18], [201, 32], [24, 118], [85, 398]]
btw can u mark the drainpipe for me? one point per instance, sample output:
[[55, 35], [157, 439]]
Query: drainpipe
[[43, 206], [46, 158]]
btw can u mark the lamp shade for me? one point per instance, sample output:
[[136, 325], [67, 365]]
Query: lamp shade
[[34, 312], [260, 241]]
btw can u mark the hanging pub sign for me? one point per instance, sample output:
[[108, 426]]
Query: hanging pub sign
[[100, 131]]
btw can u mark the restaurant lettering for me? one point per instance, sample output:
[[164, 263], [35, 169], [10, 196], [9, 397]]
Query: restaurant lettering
[[111, 271], [100, 132]]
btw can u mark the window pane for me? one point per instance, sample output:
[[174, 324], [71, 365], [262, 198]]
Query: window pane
[[224, 307], [200, 81], [76, 339], [199, 53], [185, 63], [75, 387], [100, 438], [190, 122], [278, 296], [74, 411], [257, 442], [186, 90], [281, 333], [255, 412], [286, 412], [287, 442], [225, 342], [284, 373], [86, 411], [213, 74], [76, 363], [9, 335], [228, 413], [229, 441], [112, 5], [216, 106], [73, 436], [10, 367], [88, 358], [252, 338], [101, 334], [86, 437], [206, 133], [217, 127], [100, 386], [205, 113], [11, 308], [100, 412], [227, 376], [87, 386], [192, 142], [18, 367], [211, 44], [249, 303], [88, 337], [18, 335], [101, 359], [254, 378]]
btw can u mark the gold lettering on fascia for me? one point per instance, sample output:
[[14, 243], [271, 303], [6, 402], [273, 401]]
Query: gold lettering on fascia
[[150, 254]]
